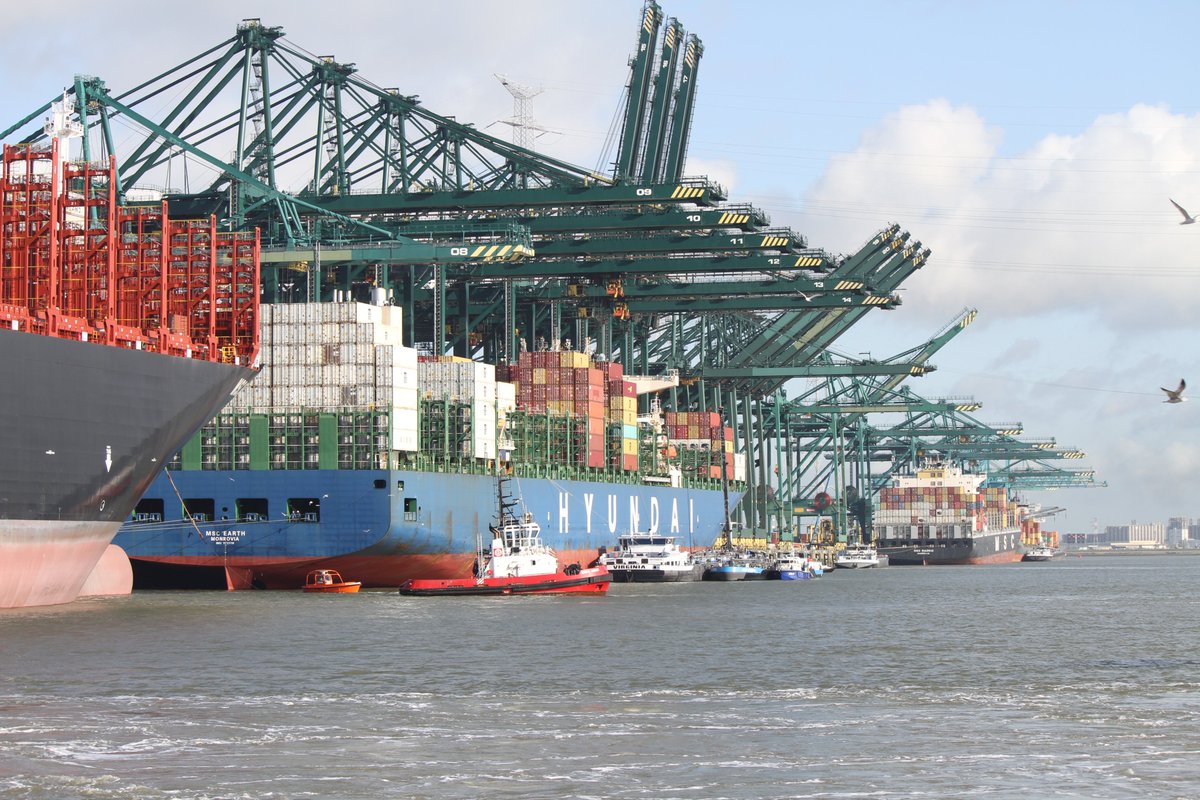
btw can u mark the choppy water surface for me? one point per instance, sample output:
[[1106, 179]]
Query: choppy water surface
[[1074, 678]]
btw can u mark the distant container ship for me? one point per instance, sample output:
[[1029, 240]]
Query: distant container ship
[[122, 332], [941, 515], [353, 453]]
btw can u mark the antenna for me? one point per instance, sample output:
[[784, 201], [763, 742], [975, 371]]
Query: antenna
[[522, 121]]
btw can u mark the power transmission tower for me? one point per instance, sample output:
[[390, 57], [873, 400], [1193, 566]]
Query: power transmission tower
[[522, 120]]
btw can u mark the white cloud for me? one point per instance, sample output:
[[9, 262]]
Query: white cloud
[[1075, 223], [1084, 281]]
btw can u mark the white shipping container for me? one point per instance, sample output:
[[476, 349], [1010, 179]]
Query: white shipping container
[[386, 334], [392, 316], [405, 356], [739, 466], [485, 450], [506, 396], [405, 440], [404, 434], [483, 429], [405, 377], [368, 313], [404, 398]]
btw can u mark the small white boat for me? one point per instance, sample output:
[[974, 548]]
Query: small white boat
[[856, 556], [650, 558], [1040, 553]]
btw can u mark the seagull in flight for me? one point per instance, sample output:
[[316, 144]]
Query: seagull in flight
[[1176, 395], [1188, 219]]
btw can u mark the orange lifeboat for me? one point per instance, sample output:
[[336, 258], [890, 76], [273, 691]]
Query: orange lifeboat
[[328, 580]]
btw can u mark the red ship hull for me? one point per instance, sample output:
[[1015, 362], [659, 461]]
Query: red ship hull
[[593, 580]]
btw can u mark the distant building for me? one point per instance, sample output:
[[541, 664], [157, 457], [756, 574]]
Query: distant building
[[1179, 532], [1147, 535]]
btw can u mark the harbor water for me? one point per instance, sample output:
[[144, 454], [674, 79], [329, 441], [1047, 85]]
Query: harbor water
[[1076, 678]]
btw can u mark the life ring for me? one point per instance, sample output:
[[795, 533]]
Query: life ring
[[822, 501]]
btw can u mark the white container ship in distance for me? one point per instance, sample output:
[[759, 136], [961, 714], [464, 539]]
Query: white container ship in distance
[[941, 515]]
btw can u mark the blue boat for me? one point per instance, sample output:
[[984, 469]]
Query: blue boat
[[734, 568], [794, 567]]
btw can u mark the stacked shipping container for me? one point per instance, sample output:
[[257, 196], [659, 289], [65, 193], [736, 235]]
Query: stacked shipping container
[[597, 398], [704, 445], [327, 356], [471, 385], [75, 265], [339, 390], [936, 499]]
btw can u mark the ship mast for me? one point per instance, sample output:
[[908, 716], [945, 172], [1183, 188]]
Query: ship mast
[[726, 526]]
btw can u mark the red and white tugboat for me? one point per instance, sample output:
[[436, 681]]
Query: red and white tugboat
[[517, 562]]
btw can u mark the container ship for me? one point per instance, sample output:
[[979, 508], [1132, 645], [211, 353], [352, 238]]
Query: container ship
[[122, 331], [353, 452], [942, 515]]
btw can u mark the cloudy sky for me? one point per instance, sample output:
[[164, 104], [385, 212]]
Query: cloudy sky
[[1032, 146]]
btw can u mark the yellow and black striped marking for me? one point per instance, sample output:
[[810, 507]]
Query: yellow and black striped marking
[[730, 218], [774, 241], [497, 252], [809, 261], [847, 286], [648, 20], [877, 300], [968, 319], [967, 407], [687, 192]]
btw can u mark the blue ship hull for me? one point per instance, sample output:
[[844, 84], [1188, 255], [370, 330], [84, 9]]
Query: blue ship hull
[[383, 527]]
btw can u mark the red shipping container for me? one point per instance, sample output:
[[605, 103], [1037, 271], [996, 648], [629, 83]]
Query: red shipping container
[[595, 426], [595, 459], [628, 389], [630, 462], [595, 442], [712, 419], [595, 410], [615, 371]]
